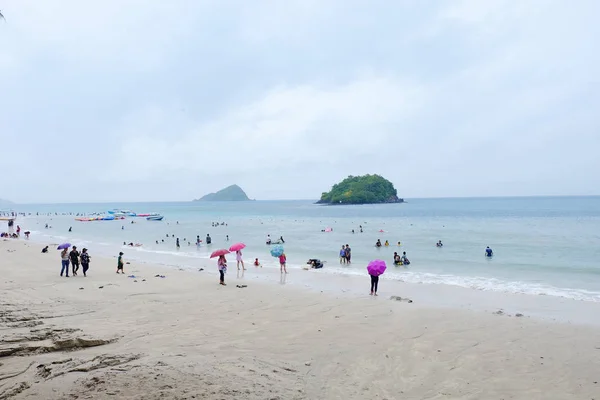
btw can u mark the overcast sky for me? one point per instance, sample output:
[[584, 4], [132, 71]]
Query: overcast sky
[[144, 100]]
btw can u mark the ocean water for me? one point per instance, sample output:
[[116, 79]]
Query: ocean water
[[542, 245]]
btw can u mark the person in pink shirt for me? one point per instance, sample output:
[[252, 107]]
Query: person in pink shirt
[[222, 264], [282, 262]]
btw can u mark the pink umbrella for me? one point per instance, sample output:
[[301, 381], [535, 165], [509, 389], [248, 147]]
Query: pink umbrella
[[218, 253], [237, 247], [376, 267]]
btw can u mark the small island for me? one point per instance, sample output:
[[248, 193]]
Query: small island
[[230, 193], [366, 189]]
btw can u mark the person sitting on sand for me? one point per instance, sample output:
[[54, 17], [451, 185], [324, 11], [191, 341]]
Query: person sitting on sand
[[257, 263], [45, 249], [378, 244], [120, 263]]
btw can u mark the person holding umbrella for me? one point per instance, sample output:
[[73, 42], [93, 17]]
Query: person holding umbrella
[[375, 268], [221, 264], [64, 256], [238, 254]]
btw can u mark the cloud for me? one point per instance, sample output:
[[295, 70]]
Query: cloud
[[151, 100]]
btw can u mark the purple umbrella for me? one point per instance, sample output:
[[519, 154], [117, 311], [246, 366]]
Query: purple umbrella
[[376, 267], [64, 246]]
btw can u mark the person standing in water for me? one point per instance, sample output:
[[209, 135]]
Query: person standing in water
[[343, 255], [238, 258], [85, 261], [282, 263], [348, 253], [222, 265], [208, 239], [64, 256], [488, 252]]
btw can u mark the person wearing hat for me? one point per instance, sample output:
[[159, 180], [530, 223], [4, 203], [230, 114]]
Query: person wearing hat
[[85, 261], [120, 263]]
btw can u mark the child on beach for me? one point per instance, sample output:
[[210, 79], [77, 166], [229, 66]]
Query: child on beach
[[282, 262], [222, 265], [120, 263], [257, 263]]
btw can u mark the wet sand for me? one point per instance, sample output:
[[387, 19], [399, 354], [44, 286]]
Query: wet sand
[[186, 337]]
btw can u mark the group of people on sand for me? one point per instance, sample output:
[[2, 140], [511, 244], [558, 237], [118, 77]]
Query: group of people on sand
[[74, 258], [345, 254], [222, 265]]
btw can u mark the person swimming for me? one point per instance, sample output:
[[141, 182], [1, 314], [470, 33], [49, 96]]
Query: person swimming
[[315, 263], [397, 260], [378, 244], [386, 243], [488, 252], [439, 244]]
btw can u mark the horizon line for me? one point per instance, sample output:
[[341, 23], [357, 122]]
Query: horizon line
[[267, 200]]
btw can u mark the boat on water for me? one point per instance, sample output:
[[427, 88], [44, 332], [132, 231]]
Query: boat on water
[[147, 215], [155, 218]]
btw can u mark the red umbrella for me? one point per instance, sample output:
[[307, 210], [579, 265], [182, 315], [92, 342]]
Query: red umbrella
[[237, 246], [218, 253]]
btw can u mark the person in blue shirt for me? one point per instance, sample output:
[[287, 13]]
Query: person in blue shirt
[[488, 252], [343, 255]]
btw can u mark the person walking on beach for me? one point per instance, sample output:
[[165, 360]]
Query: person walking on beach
[[74, 256], [85, 261], [348, 253], [222, 265], [374, 283], [64, 256], [120, 263], [282, 263], [238, 257], [343, 255]]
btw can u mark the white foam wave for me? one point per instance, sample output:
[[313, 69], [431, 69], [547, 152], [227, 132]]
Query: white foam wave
[[483, 283]]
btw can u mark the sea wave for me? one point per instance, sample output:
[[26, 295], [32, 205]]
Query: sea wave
[[483, 284]]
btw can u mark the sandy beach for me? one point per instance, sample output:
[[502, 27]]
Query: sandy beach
[[185, 337]]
